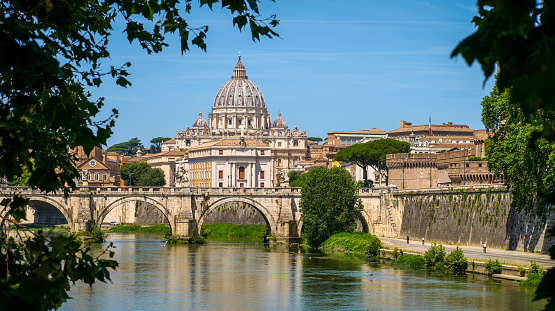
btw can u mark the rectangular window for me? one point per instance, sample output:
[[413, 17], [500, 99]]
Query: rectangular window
[[295, 143], [261, 152], [220, 174], [249, 122], [262, 184], [241, 185], [220, 152], [96, 176], [220, 184], [240, 122], [229, 121], [261, 174], [188, 142], [279, 143], [105, 177]]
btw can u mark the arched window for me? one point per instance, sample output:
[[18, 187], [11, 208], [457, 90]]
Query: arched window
[[241, 172]]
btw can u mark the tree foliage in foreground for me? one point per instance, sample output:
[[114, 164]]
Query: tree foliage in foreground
[[372, 154], [329, 204], [51, 53], [519, 36]]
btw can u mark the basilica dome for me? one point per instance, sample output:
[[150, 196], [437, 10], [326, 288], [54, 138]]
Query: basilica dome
[[239, 91], [279, 122], [200, 122]]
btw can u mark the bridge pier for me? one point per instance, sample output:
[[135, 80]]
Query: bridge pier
[[185, 227], [82, 225]]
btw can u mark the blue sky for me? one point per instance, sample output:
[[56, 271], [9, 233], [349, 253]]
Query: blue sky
[[339, 65]]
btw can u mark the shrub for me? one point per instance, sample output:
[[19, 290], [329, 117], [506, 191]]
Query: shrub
[[535, 268], [96, 234], [439, 266], [493, 267], [409, 261], [434, 254], [456, 262]]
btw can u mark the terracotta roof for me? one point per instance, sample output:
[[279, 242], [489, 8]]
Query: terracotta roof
[[171, 141], [372, 131], [173, 153], [435, 128]]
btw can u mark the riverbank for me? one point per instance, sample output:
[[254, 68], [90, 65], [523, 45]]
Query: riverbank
[[219, 230], [160, 228]]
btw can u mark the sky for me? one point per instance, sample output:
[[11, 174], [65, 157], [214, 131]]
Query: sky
[[338, 65]]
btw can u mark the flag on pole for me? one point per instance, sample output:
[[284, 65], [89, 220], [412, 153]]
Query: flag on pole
[[430, 126]]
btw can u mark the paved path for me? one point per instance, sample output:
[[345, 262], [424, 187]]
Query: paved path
[[476, 253]]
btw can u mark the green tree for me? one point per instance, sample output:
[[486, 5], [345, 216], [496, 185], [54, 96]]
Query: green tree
[[141, 174], [128, 148], [153, 178], [156, 144], [51, 53], [528, 169], [372, 154], [329, 204], [295, 179]]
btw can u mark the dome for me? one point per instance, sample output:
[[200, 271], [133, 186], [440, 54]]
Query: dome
[[239, 91], [279, 122], [200, 122]]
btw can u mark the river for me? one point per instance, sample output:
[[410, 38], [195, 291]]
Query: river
[[249, 276]]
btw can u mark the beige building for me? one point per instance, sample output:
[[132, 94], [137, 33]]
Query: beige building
[[99, 168], [451, 168], [227, 163], [239, 110], [444, 137]]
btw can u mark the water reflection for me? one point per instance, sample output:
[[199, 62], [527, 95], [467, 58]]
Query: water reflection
[[248, 276]]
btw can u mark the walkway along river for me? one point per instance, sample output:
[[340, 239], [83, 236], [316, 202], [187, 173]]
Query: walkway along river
[[250, 276]]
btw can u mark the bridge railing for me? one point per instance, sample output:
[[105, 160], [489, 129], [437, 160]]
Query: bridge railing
[[169, 190]]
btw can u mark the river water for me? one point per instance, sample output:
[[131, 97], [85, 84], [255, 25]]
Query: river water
[[249, 276]]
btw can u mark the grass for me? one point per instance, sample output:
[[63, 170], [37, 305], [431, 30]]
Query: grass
[[409, 261], [160, 228], [355, 242], [217, 229]]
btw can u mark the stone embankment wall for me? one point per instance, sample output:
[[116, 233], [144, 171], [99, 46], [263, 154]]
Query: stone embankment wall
[[470, 216]]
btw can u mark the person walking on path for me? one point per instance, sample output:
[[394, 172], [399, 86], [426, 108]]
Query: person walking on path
[[484, 247], [422, 241], [408, 238]]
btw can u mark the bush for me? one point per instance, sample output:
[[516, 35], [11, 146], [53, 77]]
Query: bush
[[535, 268], [434, 254], [96, 234], [493, 267], [409, 261], [456, 262], [439, 266]]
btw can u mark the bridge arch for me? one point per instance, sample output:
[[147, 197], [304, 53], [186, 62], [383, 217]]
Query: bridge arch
[[104, 211], [50, 201], [268, 217]]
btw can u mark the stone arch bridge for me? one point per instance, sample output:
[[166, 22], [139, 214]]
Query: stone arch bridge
[[186, 208]]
